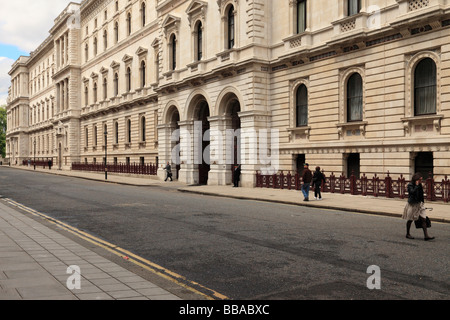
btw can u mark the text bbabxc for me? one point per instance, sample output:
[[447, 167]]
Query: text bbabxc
[[227, 310]]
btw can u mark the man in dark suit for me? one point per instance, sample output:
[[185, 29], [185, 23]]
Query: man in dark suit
[[168, 169], [236, 176]]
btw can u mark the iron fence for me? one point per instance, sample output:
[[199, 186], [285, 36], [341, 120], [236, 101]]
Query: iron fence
[[134, 168], [377, 187]]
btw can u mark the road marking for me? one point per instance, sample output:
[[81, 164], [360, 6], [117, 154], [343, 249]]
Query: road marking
[[135, 259]]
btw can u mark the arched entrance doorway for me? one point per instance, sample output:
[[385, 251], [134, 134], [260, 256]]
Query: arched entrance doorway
[[175, 152], [202, 114], [233, 111], [60, 156]]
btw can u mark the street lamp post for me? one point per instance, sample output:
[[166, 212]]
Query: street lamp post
[[34, 154], [106, 155]]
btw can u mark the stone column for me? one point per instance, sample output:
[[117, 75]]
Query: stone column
[[189, 162], [222, 151], [164, 150], [66, 85], [251, 124]]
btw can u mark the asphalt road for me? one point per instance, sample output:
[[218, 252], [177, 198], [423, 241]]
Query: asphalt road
[[247, 249]]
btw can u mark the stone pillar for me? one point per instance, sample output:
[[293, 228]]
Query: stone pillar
[[189, 162], [66, 85], [251, 124], [164, 148], [222, 151]]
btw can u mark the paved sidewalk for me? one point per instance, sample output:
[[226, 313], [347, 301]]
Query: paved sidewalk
[[368, 205], [100, 176], [34, 260]]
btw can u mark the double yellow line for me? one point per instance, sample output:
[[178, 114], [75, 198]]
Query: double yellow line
[[125, 254]]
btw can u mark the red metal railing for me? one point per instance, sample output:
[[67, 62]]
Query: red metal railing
[[39, 163], [138, 169], [365, 186]]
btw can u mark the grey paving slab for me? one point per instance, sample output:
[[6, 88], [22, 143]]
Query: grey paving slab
[[34, 261], [94, 296]]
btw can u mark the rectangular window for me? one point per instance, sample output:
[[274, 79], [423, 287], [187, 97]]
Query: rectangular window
[[354, 7], [301, 16]]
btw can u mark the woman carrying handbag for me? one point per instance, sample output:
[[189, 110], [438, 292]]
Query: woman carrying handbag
[[415, 210]]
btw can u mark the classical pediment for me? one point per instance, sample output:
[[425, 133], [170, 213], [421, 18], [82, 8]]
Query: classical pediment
[[155, 43], [115, 65], [126, 58], [195, 6], [196, 9], [141, 51], [171, 21], [104, 70]]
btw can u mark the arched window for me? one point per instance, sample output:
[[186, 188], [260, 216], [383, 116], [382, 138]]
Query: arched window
[[87, 137], [95, 136], [95, 47], [105, 88], [302, 106], [86, 52], [199, 41], [95, 92], [301, 16], [231, 28], [129, 131], [173, 60], [116, 32], [425, 87], [143, 74], [129, 23], [116, 84], [354, 98], [128, 79], [143, 131], [116, 132], [105, 40], [86, 96], [143, 14]]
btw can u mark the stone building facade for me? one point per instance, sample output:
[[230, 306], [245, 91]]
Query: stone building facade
[[352, 86]]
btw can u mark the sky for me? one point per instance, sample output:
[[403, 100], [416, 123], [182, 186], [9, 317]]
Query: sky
[[24, 25]]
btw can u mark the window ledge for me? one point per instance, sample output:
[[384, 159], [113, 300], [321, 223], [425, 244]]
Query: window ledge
[[299, 129], [424, 117], [360, 125], [294, 132], [432, 119]]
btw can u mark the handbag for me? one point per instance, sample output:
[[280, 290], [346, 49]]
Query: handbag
[[418, 223]]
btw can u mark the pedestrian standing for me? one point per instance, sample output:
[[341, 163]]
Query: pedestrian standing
[[307, 179], [414, 209], [168, 169], [318, 180]]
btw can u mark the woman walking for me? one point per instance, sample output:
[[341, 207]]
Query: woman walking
[[414, 209]]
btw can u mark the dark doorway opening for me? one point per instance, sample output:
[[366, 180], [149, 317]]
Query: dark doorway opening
[[423, 164], [236, 125], [354, 165], [205, 167], [300, 163]]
